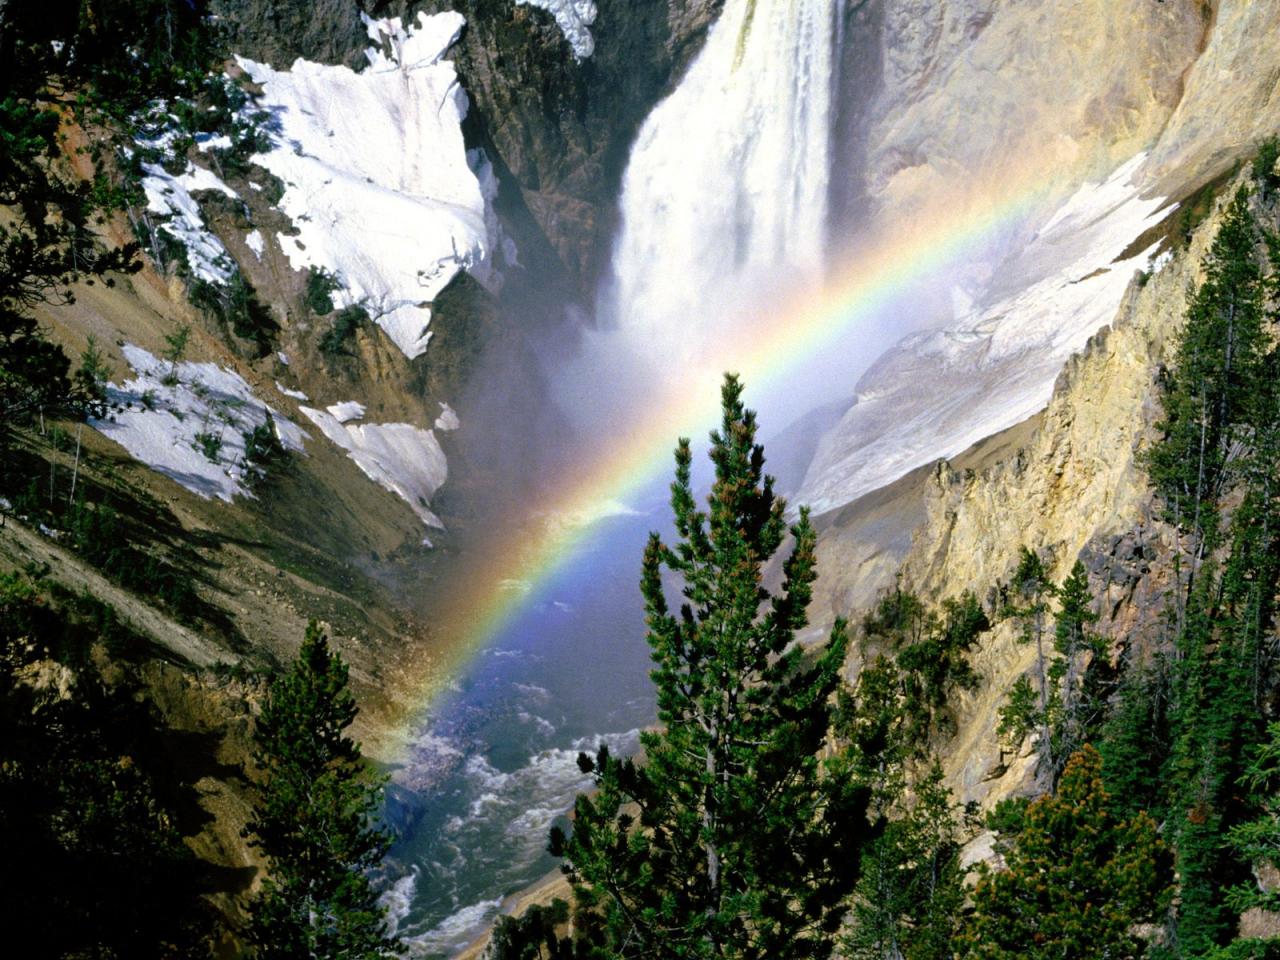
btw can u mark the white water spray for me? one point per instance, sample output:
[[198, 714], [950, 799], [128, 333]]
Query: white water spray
[[724, 201]]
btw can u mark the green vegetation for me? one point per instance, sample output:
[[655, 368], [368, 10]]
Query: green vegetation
[[236, 305], [1075, 881], [909, 897], [336, 340], [321, 286], [1063, 700], [315, 819], [732, 839]]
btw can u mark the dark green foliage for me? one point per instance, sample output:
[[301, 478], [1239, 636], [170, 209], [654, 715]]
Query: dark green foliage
[[1218, 367], [935, 665], [346, 322], [264, 454], [532, 936], [176, 349], [321, 286], [1256, 841], [1079, 672], [929, 660], [1183, 731], [1213, 719], [907, 903], [236, 305], [1265, 174], [315, 819], [209, 444], [1135, 743], [1031, 708], [730, 840], [83, 807], [99, 534], [1075, 882]]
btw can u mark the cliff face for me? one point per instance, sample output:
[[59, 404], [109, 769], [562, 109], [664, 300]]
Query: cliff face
[[1073, 488], [1046, 136]]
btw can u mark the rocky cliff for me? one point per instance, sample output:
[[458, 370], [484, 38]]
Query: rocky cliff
[[1067, 484]]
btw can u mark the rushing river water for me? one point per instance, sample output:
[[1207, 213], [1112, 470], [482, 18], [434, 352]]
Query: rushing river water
[[501, 746]]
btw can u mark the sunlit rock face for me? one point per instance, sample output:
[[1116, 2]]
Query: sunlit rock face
[[1100, 114], [977, 85]]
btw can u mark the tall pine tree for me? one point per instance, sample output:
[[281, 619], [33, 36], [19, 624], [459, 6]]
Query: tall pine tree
[[315, 819], [728, 840]]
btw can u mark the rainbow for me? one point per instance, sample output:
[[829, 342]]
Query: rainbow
[[767, 349]]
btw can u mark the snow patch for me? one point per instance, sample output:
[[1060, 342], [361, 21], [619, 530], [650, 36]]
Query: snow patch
[[171, 197], [399, 457], [296, 394], [378, 181], [160, 420], [448, 420], [996, 364], [574, 18], [255, 242], [347, 410]]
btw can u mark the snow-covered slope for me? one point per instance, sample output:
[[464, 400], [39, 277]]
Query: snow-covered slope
[[939, 392], [378, 182], [191, 422], [400, 457]]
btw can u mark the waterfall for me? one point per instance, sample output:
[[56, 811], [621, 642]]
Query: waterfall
[[724, 200]]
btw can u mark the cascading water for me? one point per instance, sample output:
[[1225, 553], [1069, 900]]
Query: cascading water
[[726, 191], [724, 205]]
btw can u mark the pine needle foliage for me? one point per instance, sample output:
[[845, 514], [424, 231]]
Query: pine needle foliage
[[730, 839], [315, 819], [1076, 880]]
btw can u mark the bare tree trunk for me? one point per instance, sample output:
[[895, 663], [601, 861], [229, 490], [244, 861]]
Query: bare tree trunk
[[75, 471]]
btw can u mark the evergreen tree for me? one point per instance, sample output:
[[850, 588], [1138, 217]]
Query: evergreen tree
[[314, 820], [1135, 743], [1077, 668], [1032, 705], [1217, 370], [907, 903], [729, 840], [1075, 882]]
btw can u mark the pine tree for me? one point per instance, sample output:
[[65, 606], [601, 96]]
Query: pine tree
[[910, 892], [729, 840], [1075, 882], [1076, 668], [1219, 365], [314, 821], [1033, 704]]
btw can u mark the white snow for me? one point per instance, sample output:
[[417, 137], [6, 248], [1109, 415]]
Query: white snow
[[574, 18], [255, 242], [996, 364], [347, 410], [296, 394], [171, 197], [282, 357], [448, 419], [400, 457], [377, 178], [158, 423]]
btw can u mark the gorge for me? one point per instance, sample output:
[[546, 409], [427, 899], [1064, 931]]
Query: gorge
[[500, 254]]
